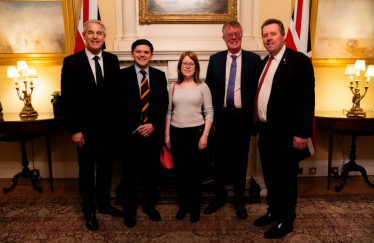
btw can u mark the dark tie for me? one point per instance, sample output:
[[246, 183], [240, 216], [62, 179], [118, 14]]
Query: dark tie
[[255, 112], [144, 97], [99, 74], [231, 86]]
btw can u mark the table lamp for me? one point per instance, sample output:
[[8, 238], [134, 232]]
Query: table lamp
[[30, 72], [356, 110]]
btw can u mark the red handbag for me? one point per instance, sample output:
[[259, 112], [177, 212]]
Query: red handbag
[[165, 158], [165, 155]]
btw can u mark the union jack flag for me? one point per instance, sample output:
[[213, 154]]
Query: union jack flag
[[298, 39], [89, 10]]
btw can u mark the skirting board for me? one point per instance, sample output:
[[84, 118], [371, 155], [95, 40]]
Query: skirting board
[[59, 169]]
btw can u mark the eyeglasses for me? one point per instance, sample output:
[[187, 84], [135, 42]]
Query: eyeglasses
[[185, 64], [237, 34]]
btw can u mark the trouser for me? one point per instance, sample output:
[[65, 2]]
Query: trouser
[[139, 154], [231, 155], [188, 164], [280, 170], [95, 151]]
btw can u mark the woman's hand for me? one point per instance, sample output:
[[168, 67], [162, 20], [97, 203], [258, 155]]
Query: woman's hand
[[203, 142], [167, 141]]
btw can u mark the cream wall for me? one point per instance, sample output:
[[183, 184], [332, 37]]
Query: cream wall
[[332, 93]]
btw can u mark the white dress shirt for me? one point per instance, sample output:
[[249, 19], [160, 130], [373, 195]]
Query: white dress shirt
[[90, 57], [264, 95]]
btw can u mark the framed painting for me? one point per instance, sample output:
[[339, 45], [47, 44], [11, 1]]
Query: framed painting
[[37, 31], [190, 11], [342, 31]]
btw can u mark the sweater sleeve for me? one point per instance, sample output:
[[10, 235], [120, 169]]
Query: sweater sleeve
[[170, 107], [207, 102]]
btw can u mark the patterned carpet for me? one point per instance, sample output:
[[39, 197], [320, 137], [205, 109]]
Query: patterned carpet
[[345, 218]]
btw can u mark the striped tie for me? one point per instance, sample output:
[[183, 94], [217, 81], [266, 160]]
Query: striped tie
[[145, 97]]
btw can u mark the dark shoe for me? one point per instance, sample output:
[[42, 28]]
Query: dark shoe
[[213, 207], [152, 214], [195, 216], [264, 220], [182, 212], [91, 221], [130, 220], [111, 211], [241, 212], [279, 230]]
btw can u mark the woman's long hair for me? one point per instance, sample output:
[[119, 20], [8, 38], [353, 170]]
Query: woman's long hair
[[196, 76]]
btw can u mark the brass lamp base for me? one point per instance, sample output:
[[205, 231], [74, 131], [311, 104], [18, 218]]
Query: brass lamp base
[[355, 112], [28, 111]]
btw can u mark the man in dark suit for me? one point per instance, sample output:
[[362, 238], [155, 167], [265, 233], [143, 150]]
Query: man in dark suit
[[231, 77], [86, 81], [142, 110], [284, 108]]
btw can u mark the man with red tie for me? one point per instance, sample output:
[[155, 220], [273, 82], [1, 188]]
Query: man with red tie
[[283, 113], [142, 100]]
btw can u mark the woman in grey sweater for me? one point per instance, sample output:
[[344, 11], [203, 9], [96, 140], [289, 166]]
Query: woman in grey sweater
[[186, 132]]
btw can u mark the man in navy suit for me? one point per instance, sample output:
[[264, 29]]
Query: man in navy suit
[[232, 77], [86, 85], [284, 108], [142, 100]]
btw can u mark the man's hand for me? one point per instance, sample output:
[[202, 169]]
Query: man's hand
[[213, 128], [300, 143], [146, 130], [78, 139]]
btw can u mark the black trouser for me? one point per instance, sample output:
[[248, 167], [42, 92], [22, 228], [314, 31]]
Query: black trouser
[[231, 154], [95, 151], [188, 164], [280, 169], [143, 155]]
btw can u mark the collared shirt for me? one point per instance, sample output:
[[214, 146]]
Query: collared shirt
[[264, 95], [139, 75], [90, 57], [237, 89]]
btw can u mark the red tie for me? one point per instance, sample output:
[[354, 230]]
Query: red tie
[[255, 113]]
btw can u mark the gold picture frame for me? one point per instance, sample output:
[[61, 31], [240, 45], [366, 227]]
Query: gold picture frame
[[328, 61], [41, 58], [148, 18]]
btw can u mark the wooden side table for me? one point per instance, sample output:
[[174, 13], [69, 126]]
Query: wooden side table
[[336, 121], [29, 127]]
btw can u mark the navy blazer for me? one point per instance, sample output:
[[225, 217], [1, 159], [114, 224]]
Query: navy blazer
[[86, 107], [129, 102], [290, 108], [216, 76]]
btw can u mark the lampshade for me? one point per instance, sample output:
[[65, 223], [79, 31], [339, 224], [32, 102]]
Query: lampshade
[[350, 70], [31, 73], [21, 66], [370, 71], [12, 72], [360, 65]]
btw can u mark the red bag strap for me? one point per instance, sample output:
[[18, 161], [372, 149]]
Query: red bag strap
[[172, 94]]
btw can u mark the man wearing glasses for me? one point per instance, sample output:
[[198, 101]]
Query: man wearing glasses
[[232, 78]]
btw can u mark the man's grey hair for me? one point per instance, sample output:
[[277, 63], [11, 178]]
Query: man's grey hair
[[233, 23], [94, 21], [274, 21]]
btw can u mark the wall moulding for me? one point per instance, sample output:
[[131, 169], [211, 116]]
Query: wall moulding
[[154, 11]]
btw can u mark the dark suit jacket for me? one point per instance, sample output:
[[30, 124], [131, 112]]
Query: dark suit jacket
[[87, 109], [129, 103], [216, 76], [291, 103]]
